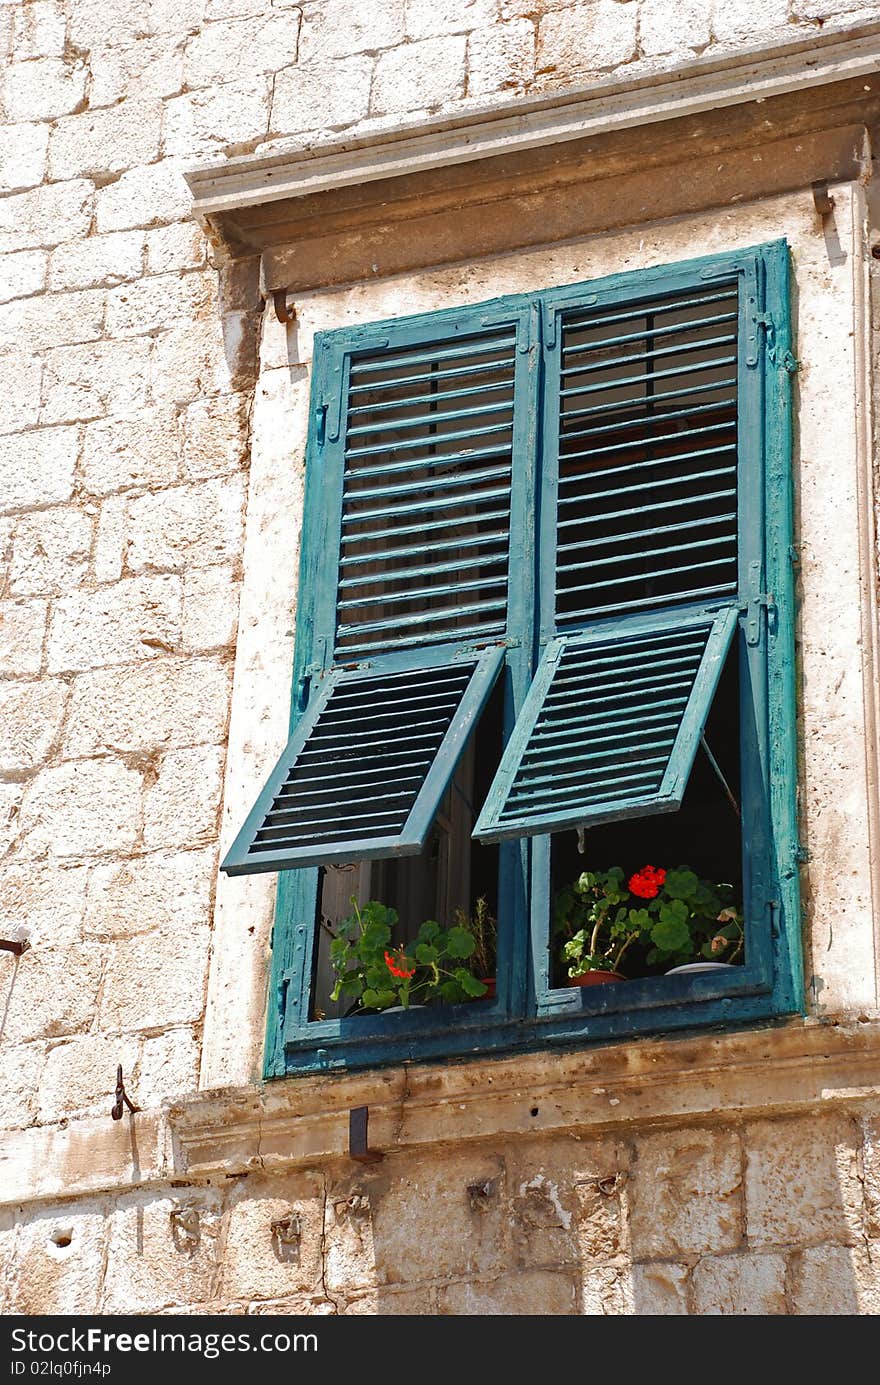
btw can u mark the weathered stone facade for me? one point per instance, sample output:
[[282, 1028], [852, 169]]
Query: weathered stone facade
[[153, 420]]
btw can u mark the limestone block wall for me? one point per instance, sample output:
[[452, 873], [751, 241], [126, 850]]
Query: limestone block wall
[[128, 364]]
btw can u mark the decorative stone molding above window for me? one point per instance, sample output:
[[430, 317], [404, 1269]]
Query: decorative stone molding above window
[[740, 129]]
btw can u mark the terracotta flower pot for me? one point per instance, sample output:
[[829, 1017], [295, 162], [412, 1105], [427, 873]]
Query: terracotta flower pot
[[594, 978], [489, 983]]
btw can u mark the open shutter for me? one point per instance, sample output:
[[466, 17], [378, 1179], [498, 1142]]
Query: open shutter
[[640, 604], [610, 726], [365, 770], [407, 565]]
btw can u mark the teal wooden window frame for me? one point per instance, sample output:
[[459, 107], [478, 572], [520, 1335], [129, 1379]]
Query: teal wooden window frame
[[527, 1011]]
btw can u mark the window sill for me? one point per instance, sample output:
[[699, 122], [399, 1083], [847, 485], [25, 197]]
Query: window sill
[[795, 1066]]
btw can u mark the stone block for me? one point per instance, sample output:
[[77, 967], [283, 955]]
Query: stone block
[[144, 68], [60, 1260], [739, 21], [685, 1194], [425, 18], [137, 618], [212, 55], [210, 608], [23, 159], [836, 1281], [586, 38], [559, 1215], [182, 806], [407, 1206], [11, 796], [82, 808], [871, 1161], [88, 382], [62, 319], [79, 1076], [50, 992], [120, 453], [20, 1068], [321, 95], [159, 302], [44, 89], [156, 980], [333, 29], [107, 21], [386, 1302], [215, 436], [660, 1289], [37, 468], [110, 540], [167, 891], [168, 1067], [673, 26], [188, 526], [802, 1181], [45, 216], [22, 273], [150, 707], [190, 361], [605, 1291], [50, 552], [175, 16], [501, 58], [146, 196], [20, 374], [39, 31], [260, 1263], [530, 1293], [95, 143], [741, 1285], [426, 75], [235, 113], [107, 260], [47, 897], [30, 721], [172, 248], [162, 1251], [22, 633]]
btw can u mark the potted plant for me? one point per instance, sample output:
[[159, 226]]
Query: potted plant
[[672, 916], [483, 924], [378, 976]]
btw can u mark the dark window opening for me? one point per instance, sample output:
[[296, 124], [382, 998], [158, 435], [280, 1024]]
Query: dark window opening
[[705, 835], [444, 882]]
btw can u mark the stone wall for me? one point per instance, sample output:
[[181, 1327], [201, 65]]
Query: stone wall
[[128, 364]]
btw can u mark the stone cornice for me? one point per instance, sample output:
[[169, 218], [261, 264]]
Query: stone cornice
[[802, 1066], [531, 122]]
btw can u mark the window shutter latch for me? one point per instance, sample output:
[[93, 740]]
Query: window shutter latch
[[758, 600], [304, 684], [784, 358]]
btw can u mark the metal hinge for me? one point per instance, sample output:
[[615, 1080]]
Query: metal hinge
[[758, 600], [304, 684], [784, 358], [802, 854]]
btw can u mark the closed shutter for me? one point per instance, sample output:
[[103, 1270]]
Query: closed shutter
[[415, 437], [640, 600]]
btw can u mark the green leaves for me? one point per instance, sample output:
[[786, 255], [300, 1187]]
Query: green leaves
[[671, 932], [459, 942], [681, 883], [426, 954]]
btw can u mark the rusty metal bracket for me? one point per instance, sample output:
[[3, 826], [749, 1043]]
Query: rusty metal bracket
[[121, 1097], [14, 945], [283, 312], [358, 1136], [822, 199]]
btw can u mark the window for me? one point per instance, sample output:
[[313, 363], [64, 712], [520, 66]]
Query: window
[[545, 622]]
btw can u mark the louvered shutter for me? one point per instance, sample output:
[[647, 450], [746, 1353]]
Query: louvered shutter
[[642, 516], [410, 472]]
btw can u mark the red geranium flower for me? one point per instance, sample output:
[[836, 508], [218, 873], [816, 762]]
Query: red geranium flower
[[647, 882], [396, 964]]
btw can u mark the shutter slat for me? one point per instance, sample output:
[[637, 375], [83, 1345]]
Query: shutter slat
[[427, 457], [649, 773], [346, 789], [672, 304], [648, 333]]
